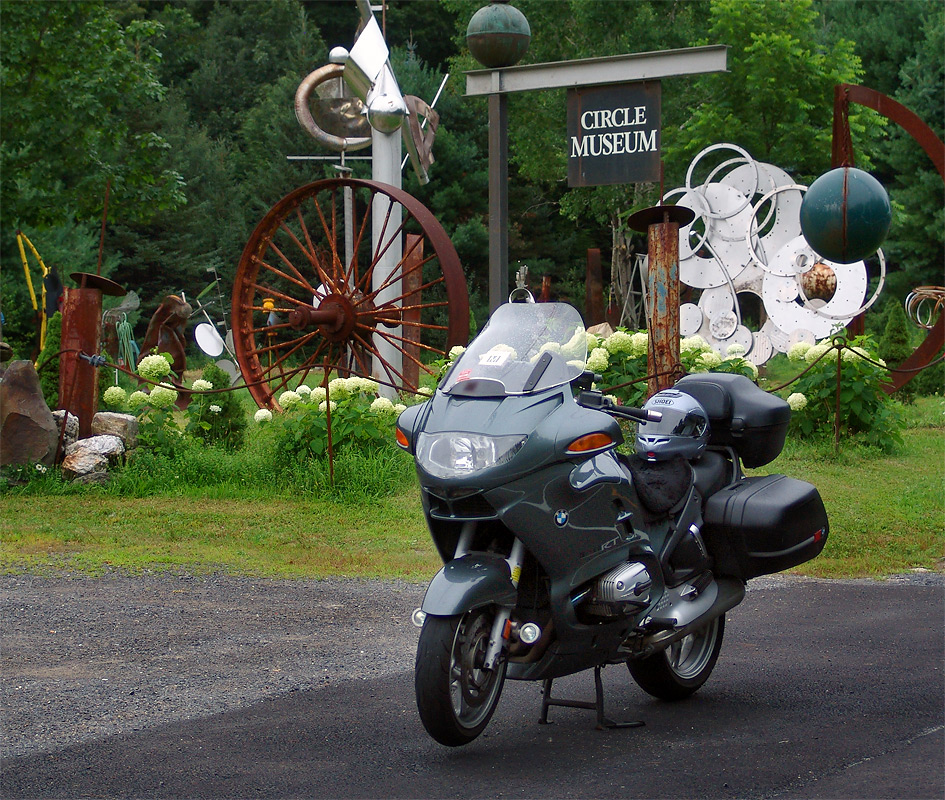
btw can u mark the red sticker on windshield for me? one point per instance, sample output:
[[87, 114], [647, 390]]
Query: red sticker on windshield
[[464, 375]]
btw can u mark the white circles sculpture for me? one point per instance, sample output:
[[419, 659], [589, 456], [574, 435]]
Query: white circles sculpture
[[746, 240]]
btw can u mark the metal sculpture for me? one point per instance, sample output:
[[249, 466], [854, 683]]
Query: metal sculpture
[[351, 275], [746, 239], [302, 299]]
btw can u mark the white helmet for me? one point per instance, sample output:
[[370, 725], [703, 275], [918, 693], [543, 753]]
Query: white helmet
[[683, 430]]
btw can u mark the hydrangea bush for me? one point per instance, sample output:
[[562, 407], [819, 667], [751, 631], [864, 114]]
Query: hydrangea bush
[[360, 420], [866, 411]]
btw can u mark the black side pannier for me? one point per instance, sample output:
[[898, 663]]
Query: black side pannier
[[741, 416], [763, 525]]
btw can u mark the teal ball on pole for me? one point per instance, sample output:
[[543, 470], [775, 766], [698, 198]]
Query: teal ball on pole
[[845, 215], [498, 35]]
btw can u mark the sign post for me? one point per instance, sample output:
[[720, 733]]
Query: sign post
[[630, 131]]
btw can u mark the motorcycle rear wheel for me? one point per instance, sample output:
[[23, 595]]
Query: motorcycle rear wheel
[[678, 671], [456, 696]]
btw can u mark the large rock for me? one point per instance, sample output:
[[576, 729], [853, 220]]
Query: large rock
[[91, 455], [28, 432], [124, 426], [71, 434]]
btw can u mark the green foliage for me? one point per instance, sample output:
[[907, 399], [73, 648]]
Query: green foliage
[[47, 365], [866, 412], [218, 417], [895, 346]]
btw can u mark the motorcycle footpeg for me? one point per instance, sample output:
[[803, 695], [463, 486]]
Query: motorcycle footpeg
[[656, 624]]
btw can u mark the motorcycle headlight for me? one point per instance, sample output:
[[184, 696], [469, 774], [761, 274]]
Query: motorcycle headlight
[[453, 455]]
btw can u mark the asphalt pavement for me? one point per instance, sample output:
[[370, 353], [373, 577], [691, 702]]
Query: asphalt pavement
[[823, 690]]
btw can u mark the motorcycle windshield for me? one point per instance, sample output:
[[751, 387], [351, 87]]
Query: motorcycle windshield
[[524, 348]]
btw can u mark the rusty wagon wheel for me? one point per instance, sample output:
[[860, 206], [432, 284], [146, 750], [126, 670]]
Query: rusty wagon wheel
[[313, 290]]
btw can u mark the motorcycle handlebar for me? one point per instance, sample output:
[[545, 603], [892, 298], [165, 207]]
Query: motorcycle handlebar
[[594, 399]]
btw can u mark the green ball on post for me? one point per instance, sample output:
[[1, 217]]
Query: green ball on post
[[845, 215]]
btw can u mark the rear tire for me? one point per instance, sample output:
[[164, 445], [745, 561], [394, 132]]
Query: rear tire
[[456, 697], [678, 671]]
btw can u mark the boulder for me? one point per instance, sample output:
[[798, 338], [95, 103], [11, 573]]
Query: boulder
[[28, 432], [81, 464], [91, 455], [124, 426], [72, 427]]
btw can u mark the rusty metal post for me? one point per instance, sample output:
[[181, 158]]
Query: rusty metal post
[[81, 331], [593, 289], [661, 224]]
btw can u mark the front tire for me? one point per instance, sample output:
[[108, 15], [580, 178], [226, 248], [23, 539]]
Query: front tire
[[678, 671], [456, 697]]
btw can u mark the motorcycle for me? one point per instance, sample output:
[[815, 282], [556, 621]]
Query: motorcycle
[[561, 552]]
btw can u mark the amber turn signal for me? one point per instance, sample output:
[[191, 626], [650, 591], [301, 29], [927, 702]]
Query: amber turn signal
[[592, 441], [402, 439]]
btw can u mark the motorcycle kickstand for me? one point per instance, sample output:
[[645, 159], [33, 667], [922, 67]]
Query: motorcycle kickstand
[[598, 705]]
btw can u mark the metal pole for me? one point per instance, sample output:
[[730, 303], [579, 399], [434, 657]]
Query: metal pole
[[498, 200]]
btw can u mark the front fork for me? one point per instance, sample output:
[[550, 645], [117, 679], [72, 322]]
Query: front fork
[[499, 635]]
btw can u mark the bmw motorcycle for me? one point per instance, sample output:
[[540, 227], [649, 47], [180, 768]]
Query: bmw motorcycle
[[563, 553]]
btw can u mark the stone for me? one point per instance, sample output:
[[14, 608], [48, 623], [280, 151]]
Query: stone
[[603, 330], [124, 426], [72, 427], [28, 432], [111, 447], [80, 464]]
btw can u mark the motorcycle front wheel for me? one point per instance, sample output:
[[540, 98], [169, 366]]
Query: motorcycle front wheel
[[678, 671], [456, 696]]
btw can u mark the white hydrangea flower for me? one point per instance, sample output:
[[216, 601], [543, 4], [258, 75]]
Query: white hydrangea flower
[[853, 353], [382, 406], [154, 367], [137, 399], [797, 401], [752, 366], [163, 396], [323, 405], [639, 342], [215, 409], [456, 351], [359, 385], [302, 390], [338, 388], [577, 344], [819, 350], [263, 415], [289, 398], [735, 350], [593, 341], [114, 396], [618, 342], [694, 344], [200, 385], [399, 408], [709, 359], [798, 351], [425, 391], [599, 360], [317, 395]]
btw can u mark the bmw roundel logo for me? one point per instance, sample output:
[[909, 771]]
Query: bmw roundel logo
[[561, 518]]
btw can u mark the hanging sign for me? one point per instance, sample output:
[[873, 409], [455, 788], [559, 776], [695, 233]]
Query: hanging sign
[[614, 134]]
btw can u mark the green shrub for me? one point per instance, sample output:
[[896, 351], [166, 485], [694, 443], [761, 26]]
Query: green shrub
[[866, 411], [895, 346], [217, 418]]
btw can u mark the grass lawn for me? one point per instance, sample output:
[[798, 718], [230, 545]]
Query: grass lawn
[[887, 515]]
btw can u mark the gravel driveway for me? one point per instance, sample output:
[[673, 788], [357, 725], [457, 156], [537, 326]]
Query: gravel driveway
[[82, 658]]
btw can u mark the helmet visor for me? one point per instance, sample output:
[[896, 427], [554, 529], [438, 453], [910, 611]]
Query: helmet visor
[[676, 423]]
